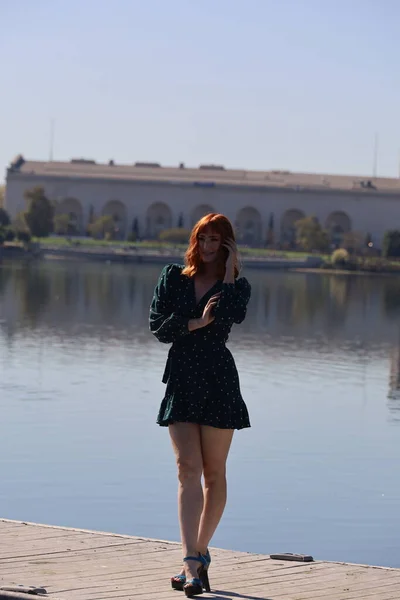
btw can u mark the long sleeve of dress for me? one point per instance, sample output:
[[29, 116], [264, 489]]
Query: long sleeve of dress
[[232, 305], [166, 325]]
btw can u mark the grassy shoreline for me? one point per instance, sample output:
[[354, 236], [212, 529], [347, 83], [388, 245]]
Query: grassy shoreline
[[63, 242], [155, 251]]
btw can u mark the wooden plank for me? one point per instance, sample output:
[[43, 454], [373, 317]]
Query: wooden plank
[[318, 588], [85, 565], [99, 573], [5, 595], [127, 578], [224, 583]]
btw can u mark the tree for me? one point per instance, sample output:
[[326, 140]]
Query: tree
[[175, 236], [39, 216], [133, 236], [310, 235], [24, 236], [103, 227], [9, 233], [180, 221], [91, 215], [61, 224], [19, 223], [391, 243], [4, 218], [2, 195], [270, 233], [368, 240], [91, 219], [135, 227]]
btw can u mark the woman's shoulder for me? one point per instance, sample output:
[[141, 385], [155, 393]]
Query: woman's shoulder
[[242, 286], [173, 268], [172, 271]]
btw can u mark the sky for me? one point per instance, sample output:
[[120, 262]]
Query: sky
[[300, 85]]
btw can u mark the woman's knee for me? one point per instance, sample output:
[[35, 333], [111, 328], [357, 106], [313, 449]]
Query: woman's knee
[[214, 474], [189, 470]]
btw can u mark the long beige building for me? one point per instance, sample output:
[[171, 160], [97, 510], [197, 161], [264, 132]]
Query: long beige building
[[150, 198]]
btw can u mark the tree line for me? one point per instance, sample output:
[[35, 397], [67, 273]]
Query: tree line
[[41, 219], [311, 237]]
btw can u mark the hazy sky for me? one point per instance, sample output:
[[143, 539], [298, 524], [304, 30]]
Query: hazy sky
[[257, 84]]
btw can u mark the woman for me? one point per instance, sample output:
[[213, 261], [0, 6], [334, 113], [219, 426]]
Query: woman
[[194, 307]]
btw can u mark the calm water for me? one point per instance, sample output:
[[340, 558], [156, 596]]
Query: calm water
[[319, 362]]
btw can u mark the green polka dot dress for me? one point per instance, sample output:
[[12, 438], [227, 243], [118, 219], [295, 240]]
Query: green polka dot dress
[[202, 382]]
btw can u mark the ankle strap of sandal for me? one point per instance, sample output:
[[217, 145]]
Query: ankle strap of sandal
[[200, 558]]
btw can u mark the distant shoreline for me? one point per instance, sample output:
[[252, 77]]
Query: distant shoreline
[[159, 256]]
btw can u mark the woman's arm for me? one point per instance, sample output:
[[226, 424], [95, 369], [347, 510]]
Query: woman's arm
[[232, 305], [168, 326], [235, 295]]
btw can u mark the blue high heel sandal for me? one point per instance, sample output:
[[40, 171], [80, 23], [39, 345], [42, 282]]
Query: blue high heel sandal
[[195, 586], [178, 581]]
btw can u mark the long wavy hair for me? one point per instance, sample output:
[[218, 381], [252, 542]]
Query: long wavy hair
[[218, 224]]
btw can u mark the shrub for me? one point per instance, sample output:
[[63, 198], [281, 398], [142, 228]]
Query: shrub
[[19, 223], [340, 258], [7, 234], [368, 264], [24, 236], [61, 224], [391, 244], [132, 237], [379, 265], [10, 234], [103, 227], [375, 264], [4, 217], [176, 236], [353, 242]]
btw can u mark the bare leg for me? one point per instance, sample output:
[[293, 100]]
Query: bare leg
[[186, 443], [215, 444]]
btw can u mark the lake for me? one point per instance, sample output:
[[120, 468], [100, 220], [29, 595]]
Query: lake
[[319, 362]]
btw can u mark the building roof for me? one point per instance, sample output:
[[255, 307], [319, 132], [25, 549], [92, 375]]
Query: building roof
[[204, 176]]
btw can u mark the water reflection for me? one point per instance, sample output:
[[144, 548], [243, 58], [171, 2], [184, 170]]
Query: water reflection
[[342, 316], [394, 382], [59, 295], [319, 360]]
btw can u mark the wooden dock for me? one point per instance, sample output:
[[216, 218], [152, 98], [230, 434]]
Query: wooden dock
[[85, 565]]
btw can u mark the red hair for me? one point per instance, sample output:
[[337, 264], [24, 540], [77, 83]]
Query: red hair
[[218, 224]]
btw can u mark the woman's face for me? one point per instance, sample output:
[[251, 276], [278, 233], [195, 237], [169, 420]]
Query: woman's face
[[209, 245]]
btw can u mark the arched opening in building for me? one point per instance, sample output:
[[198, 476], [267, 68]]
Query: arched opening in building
[[159, 217], [199, 212], [249, 226], [337, 224]]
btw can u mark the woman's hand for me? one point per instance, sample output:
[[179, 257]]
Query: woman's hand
[[231, 261], [207, 316]]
